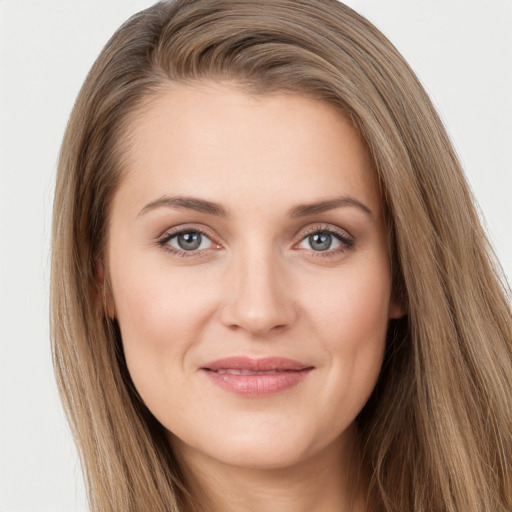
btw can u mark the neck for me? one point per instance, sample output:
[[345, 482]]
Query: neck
[[329, 481]]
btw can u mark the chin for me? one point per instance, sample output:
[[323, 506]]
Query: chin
[[264, 455], [254, 447]]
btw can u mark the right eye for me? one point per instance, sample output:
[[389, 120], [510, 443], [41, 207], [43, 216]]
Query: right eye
[[189, 240]]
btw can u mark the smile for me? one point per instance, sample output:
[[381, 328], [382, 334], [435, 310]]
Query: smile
[[256, 377], [249, 372]]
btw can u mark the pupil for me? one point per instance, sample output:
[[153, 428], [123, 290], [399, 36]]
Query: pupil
[[189, 241], [320, 241]]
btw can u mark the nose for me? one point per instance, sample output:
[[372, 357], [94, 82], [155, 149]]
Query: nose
[[258, 298]]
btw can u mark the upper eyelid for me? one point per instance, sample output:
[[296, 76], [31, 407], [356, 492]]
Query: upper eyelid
[[303, 233], [176, 230]]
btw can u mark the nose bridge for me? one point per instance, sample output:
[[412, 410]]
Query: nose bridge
[[257, 300]]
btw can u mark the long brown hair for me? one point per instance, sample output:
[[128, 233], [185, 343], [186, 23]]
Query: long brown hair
[[437, 431]]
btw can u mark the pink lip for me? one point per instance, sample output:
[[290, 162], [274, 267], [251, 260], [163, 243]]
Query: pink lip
[[256, 377]]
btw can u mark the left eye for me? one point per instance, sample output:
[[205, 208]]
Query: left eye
[[189, 241], [320, 241]]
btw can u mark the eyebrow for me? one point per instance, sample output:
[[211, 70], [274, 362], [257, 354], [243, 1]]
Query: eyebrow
[[188, 203], [211, 208], [306, 210]]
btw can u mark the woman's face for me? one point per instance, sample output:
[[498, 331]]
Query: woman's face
[[250, 273]]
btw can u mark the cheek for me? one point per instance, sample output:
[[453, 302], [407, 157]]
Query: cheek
[[161, 314], [352, 308], [158, 301], [350, 319]]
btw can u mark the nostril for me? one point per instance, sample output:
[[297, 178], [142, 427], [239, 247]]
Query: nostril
[[256, 321]]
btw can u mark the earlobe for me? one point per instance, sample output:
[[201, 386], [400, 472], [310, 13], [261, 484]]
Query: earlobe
[[396, 309], [108, 304], [99, 271], [107, 300]]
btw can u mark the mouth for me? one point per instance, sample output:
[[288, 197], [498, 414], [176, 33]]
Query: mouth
[[233, 371], [256, 377]]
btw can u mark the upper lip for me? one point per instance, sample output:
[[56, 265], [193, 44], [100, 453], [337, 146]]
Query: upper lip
[[263, 364]]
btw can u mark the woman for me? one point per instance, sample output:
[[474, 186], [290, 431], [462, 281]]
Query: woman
[[270, 287]]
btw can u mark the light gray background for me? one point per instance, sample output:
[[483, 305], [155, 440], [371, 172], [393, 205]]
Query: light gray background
[[461, 50]]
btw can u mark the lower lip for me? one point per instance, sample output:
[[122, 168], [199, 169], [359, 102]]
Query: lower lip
[[257, 385]]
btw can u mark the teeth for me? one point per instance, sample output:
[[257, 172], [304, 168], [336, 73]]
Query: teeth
[[246, 372]]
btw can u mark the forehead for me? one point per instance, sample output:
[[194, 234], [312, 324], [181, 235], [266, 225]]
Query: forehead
[[221, 143]]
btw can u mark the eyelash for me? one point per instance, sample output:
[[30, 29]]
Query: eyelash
[[347, 242], [169, 235]]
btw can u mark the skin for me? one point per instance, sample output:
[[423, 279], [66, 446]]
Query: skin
[[256, 287]]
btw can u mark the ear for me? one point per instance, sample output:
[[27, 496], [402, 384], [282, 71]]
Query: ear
[[106, 304], [396, 309]]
